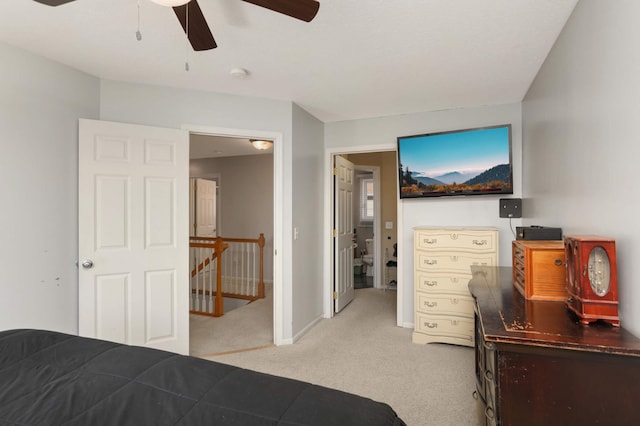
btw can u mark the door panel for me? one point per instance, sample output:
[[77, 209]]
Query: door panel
[[133, 227], [343, 225], [112, 321], [111, 211]]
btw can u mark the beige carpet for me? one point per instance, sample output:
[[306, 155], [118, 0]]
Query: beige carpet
[[245, 327], [363, 352]]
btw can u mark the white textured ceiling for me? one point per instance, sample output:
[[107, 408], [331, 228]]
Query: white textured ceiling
[[356, 59]]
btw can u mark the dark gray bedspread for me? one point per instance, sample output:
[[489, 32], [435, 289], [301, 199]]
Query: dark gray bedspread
[[49, 378]]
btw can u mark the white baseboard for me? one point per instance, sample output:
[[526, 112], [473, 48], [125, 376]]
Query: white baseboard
[[306, 329]]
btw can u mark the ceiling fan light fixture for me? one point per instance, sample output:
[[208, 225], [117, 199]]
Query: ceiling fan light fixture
[[171, 3], [261, 144]]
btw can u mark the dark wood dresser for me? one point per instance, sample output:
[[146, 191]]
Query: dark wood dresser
[[537, 365]]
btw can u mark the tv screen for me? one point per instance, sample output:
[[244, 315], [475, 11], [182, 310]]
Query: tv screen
[[461, 162]]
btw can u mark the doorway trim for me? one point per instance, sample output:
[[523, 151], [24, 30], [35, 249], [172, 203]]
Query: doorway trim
[[281, 261], [327, 298]]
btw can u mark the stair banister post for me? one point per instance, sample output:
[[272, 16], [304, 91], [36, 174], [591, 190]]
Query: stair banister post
[[220, 246], [261, 282]]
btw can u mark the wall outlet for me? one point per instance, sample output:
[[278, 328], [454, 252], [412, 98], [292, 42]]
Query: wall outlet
[[511, 207]]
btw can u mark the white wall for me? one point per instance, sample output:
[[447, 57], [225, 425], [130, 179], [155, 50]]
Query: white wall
[[40, 103], [307, 220], [446, 211], [581, 139], [245, 198]]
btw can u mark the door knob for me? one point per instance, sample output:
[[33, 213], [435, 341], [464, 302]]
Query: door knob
[[87, 264]]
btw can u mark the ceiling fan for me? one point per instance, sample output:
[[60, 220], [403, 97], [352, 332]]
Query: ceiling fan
[[196, 27]]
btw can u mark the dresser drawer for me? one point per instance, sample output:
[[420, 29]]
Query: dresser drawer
[[446, 326], [477, 241], [443, 304], [453, 261], [439, 282]]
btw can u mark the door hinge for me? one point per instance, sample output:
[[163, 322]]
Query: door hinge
[[335, 171], [335, 233], [335, 295]]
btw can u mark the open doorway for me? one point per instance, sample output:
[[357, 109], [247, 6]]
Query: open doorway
[[366, 223], [244, 204], [374, 229]]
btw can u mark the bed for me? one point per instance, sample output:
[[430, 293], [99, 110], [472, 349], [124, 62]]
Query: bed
[[50, 378]]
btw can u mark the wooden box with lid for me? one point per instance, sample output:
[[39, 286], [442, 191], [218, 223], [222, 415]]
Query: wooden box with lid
[[539, 269]]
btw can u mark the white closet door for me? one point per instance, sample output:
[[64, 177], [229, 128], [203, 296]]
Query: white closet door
[[205, 215], [133, 234]]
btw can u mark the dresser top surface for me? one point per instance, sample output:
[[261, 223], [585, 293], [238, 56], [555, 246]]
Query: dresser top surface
[[454, 228], [509, 318], [540, 244]]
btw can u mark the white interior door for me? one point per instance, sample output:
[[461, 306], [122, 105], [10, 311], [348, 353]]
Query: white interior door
[[343, 232], [205, 214], [133, 236]]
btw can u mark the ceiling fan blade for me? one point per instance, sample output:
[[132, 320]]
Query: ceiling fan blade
[[305, 10], [53, 2], [198, 32]]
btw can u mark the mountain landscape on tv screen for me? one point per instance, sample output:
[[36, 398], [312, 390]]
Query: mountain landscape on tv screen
[[501, 172], [494, 179], [456, 177]]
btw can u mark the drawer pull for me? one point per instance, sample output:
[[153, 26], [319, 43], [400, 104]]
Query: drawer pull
[[490, 346], [431, 304], [430, 262], [558, 262], [488, 375], [481, 273], [480, 242], [431, 283], [430, 241], [489, 412], [431, 324], [454, 301], [475, 394]]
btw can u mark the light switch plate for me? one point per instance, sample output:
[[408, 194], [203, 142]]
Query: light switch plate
[[511, 207], [388, 225]]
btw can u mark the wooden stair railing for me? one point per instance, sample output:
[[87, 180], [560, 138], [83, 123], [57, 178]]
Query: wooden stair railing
[[201, 296]]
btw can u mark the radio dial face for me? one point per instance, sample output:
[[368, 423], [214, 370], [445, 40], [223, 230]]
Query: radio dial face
[[599, 269], [592, 279]]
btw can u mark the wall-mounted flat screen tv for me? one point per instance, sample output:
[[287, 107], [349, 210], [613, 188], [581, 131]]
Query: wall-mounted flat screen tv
[[461, 162]]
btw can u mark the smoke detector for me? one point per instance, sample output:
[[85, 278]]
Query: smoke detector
[[239, 73]]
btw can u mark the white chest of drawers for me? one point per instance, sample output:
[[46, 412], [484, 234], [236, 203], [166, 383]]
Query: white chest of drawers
[[442, 259]]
